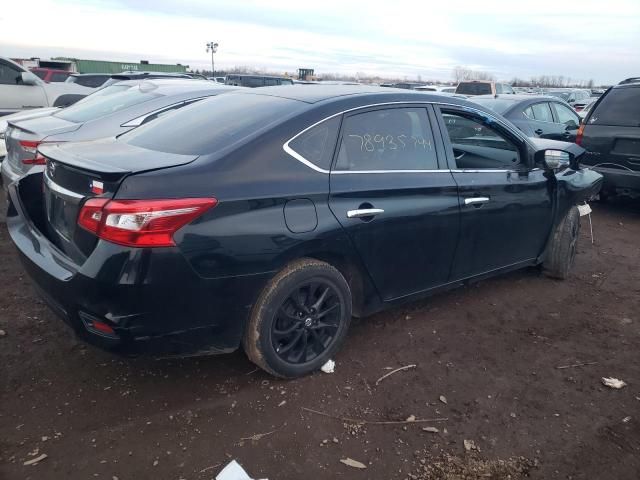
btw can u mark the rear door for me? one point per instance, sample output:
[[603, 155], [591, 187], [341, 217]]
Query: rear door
[[543, 123], [612, 130], [505, 205], [398, 204]]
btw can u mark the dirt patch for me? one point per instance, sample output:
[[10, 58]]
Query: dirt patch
[[492, 350]]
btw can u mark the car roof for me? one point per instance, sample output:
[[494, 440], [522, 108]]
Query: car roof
[[325, 93]]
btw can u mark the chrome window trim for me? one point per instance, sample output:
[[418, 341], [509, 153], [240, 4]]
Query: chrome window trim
[[290, 151], [63, 192]]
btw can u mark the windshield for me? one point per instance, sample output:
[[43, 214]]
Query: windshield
[[563, 95], [213, 124], [495, 104], [106, 101]]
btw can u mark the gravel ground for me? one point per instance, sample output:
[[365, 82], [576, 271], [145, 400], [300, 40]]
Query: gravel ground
[[487, 374]]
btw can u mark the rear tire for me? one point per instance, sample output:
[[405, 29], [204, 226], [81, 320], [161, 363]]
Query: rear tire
[[300, 319], [561, 252]]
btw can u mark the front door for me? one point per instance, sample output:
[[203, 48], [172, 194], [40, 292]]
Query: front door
[[15, 95], [505, 205], [398, 206]]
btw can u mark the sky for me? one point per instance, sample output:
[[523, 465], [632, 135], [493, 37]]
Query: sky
[[393, 38]]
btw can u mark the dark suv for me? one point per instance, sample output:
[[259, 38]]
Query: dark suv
[[611, 136]]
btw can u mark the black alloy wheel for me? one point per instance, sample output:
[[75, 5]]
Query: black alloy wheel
[[307, 322], [300, 319]]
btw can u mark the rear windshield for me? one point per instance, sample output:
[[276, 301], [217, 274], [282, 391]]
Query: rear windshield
[[213, 124], [562, 95], [495, 104], [619, 107], [107, 101], [474, 88]]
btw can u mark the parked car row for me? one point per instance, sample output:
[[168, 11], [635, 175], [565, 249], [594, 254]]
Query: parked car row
[[610, 133], [257, 217], [22, 90], [108, 112]]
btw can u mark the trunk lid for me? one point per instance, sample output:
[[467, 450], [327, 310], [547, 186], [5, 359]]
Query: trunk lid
[[76, 172], [31, 130]]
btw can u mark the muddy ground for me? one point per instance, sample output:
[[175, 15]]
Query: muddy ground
[[492, 351]]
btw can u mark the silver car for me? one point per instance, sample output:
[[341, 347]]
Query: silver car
[[114, 110]]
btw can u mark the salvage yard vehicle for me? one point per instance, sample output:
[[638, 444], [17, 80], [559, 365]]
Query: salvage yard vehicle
[[23, 90], [611, 135], [110, 111], [267, 218], [253, 81], [536, 116], [483, 87]]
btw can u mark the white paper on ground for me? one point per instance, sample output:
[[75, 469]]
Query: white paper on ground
[[328, 367], [233, 471], [584, 209]]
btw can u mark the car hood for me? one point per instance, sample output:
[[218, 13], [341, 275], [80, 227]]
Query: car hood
[[45, 125], [546, 144]]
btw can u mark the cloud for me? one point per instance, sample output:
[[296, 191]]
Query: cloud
[[399, 38]]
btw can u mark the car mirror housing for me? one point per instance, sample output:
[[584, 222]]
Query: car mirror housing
[[28, 78], [554, 159]]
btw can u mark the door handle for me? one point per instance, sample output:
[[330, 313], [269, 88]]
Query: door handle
[[476, 200], [364, 212], [539, 131]]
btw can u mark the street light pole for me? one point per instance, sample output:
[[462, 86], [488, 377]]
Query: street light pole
[[213, 46]]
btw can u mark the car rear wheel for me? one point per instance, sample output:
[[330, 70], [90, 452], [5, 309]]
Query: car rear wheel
[[561, 252], [300, 319]]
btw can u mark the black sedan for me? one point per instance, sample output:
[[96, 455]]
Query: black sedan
[[268, 218], [537, 116]]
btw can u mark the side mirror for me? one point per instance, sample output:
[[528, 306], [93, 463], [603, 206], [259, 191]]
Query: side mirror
[[571, 125], [29, 78], [553, 159]]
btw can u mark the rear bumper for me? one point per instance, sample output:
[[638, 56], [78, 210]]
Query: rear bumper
[[152, 298], [620, 180]]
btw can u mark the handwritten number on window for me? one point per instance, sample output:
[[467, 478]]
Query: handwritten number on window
[[380, 142]]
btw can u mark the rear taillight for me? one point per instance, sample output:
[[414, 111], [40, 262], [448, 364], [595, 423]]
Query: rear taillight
[[580, 134], [141, 223], [31, 147]]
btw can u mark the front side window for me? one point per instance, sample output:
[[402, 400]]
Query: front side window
[[9, 75], [566, 115], [542, 112], [477, 145], [389, 139]]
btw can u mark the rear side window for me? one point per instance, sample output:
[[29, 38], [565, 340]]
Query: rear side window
[[40, 73], [214, 124], [474, 88], [619, 107], [542, 112], [317, 144], [390, 139]]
